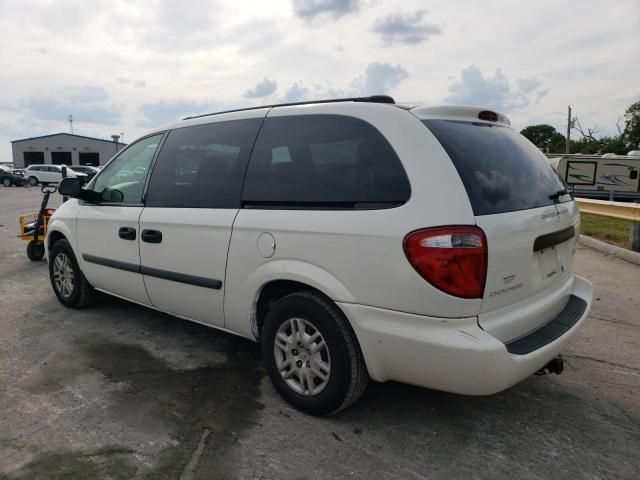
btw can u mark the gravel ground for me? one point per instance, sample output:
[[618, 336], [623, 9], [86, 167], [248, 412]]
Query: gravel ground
[[120, 391]]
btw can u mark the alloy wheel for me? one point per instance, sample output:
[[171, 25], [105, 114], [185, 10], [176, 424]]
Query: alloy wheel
[[63, 275], [302, 356]]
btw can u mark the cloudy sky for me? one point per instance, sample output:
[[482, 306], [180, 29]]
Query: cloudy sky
[[122, 66]]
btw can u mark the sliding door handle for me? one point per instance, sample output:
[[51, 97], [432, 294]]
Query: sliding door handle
[[151, 236]]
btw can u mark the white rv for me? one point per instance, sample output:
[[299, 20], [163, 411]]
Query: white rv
[[601, 176]]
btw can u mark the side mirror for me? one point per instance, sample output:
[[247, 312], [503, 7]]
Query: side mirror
[[70, 187]]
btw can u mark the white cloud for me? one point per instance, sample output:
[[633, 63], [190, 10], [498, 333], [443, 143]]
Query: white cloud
[[87, 103], [334, 8], [296, 92], [408, 29], [493, 91], [379, 79], [263, 88], [169, 111], [131, 82]]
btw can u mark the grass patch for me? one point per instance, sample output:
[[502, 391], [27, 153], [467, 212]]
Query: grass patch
[[609, 230]]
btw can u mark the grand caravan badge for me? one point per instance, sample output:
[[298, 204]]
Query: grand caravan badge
[[509, 286]]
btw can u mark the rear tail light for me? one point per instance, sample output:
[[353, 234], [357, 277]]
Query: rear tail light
[[453, 259]]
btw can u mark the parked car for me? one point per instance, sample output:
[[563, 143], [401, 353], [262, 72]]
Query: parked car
[[354, 239], [88, 170], [10, 177], [45, 174]]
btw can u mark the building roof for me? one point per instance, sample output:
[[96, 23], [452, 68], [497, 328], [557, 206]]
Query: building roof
[[67, 134]]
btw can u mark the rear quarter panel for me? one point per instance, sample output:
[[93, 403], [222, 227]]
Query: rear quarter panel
[[355, 256]]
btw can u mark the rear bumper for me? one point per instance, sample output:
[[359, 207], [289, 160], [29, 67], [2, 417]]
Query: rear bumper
[[453, 355]]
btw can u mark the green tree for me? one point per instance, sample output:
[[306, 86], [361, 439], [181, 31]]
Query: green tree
[[540, 135], [557, 143], [631, 132], [615, 145], [588, 146]]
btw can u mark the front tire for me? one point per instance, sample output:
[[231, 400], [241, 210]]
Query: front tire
[[68, 282], [311, 354], [33, 181]]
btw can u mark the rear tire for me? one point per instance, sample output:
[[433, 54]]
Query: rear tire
[[6, 182], [35, 250], [33, 181], [330, 382], [68, 282]]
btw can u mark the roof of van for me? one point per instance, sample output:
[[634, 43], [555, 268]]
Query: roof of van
[[420, 110], [369, 99]]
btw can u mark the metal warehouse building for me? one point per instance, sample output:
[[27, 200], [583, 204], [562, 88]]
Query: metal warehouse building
[[63, 149]]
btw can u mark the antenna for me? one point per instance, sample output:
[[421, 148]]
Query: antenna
[[71, 123]]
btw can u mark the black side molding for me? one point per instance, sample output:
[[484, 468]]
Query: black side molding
[[554, 238], [107, 262], [552, 330], [212, 283], [182, 278]]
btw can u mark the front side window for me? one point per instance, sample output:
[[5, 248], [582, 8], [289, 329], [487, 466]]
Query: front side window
[[122, 180], [324, 161], [202, 166]]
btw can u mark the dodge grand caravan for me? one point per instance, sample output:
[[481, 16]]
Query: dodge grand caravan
[[354, 239]]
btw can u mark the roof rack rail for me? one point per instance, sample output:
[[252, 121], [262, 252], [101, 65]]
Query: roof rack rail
[[370, 99]]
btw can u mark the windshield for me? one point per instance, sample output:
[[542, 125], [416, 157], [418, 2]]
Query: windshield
[[501, 170]]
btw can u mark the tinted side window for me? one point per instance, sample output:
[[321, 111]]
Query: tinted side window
[[318, 161], [501, 170], [203, 166]]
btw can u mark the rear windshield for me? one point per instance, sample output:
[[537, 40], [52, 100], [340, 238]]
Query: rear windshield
[[501, 170]]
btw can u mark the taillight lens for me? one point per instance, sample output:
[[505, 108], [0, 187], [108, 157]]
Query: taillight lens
[[453, 259]]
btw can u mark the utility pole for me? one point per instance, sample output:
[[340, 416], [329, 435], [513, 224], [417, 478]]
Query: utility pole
[[568, 144], [71, 123]]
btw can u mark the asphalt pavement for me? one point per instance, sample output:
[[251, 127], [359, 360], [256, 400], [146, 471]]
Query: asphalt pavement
[[119, 391]]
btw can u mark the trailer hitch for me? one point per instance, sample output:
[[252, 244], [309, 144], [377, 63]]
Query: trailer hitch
[[556, 365]]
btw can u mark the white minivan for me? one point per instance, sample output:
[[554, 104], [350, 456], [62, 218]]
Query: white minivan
[[354, 239]]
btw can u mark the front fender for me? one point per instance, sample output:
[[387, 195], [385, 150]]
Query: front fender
[[63, 221]]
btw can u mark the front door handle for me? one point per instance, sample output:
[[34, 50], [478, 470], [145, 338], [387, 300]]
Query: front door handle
[[151, 236], [127, 233]]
